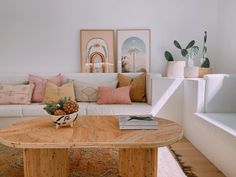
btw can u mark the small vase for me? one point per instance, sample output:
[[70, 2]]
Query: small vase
[[190, 62], [191, 72]]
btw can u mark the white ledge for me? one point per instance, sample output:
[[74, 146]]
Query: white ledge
[[224, 121]]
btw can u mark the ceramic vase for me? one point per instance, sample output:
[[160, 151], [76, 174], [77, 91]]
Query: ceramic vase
[[176, 69]]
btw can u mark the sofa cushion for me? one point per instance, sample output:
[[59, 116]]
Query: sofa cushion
[[90, 78], [16, 94], [11, 110], [36, 109], [118, 109], [220, 95], [114, 95], [40, 85], [55, 93], [138, 86], [89, 91]]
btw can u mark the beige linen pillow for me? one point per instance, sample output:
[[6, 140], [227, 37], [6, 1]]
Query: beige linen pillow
[[138, 86], [16, 94], [55, 93], [88, 92]]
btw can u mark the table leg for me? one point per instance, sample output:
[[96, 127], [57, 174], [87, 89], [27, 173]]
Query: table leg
[[138, 162], [45, 162]]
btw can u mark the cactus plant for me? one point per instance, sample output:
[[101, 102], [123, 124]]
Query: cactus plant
[[189, 52], [205, 62], [168, 56], [184, 51]]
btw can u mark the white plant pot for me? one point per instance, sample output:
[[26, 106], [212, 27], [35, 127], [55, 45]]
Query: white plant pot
[[175, 68], [191, 72]]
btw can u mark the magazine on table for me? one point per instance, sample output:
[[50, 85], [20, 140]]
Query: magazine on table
[[138, 122]]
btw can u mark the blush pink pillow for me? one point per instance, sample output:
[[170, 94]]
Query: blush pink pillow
[[109, 95], [40, 85]]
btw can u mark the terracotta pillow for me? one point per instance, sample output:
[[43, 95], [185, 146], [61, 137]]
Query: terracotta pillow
[[16, 94], [55, 93], [109, 95], [138, 86], [40, 85]]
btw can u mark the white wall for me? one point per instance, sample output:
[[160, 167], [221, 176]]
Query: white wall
[[226, 60], [43, 36]]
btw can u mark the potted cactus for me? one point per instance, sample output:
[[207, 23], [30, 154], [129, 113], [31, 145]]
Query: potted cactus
[[205, 62], [189, 52]]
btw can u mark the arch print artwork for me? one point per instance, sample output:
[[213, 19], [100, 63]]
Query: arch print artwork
[[133, 49], [97, 51]]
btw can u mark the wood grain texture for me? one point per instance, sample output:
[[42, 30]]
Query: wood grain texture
[[138, 162], [45, 162], [88, 132], [190, 156]]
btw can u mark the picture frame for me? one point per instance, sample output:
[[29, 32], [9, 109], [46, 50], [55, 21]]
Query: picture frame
[[97, 50], [133, 50]]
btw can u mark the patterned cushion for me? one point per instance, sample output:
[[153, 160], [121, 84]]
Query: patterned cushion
[[114, 96], [138, 86], [55, 93], [40, 85], [89, 92], [16, 94]]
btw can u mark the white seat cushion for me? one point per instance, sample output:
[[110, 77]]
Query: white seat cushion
[[10, 110], [34, 109], [118, 109]]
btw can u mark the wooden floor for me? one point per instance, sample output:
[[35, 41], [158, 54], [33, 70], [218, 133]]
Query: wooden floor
[[201, 166]]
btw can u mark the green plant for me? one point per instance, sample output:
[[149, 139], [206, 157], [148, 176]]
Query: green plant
[[189, 52], [168, 56], [184, 51], [205, 62]]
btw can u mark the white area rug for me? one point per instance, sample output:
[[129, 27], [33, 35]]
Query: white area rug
[[167, 165]]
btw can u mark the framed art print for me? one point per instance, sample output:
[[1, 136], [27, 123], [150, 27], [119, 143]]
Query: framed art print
[[133, 50], [97, 51]]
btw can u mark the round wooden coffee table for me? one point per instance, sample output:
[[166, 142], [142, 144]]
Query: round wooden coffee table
[[46, 148]]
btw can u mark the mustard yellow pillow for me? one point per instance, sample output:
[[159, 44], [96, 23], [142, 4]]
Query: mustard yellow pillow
[[138, 86], [55, 93]]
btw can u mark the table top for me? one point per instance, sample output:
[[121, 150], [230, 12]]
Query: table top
[[88, 132]]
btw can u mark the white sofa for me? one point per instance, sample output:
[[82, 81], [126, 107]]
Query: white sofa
[[210, 119], [12, 113]]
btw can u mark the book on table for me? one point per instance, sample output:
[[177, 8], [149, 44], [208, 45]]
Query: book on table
[[138, 122]]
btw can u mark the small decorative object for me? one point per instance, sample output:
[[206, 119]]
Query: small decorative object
[[62, 113], [133, 50], [97, 51], [205, 62], [189, 52], [174, 68]]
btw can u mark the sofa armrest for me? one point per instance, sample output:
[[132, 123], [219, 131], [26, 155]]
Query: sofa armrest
[[151, 77]]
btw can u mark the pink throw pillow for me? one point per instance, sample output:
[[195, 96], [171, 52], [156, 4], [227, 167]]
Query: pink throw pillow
[[109, 95], [40, 85]]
